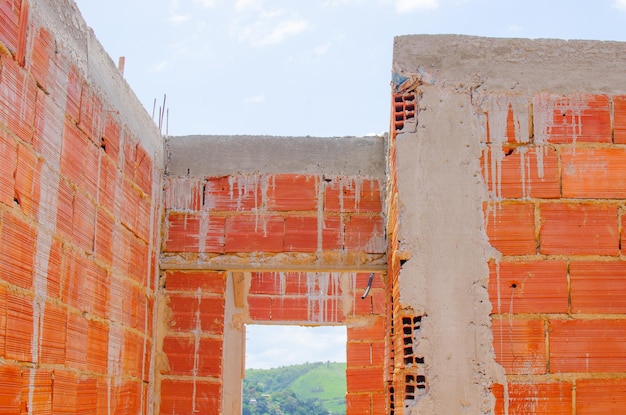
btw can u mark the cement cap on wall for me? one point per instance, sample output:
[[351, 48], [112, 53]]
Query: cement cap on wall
[[558, 66], [212, 155]]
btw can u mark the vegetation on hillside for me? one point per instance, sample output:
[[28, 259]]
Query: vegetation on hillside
[[307, 389]]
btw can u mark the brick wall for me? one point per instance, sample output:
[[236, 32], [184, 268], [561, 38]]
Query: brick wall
[[78, 245], [556, 199], [277, 236]]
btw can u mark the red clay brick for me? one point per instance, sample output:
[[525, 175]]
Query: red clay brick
[[183, 233], [74, 88], [27, 181], [8, 155], [10, 29], [41, 56], [241, 193], [97, 346], [594, 173], [578, 229], [365, 354], [528, 287], [254, 233], [598, 287], [353, 195], [3, 317], [83, 222], [104, 237], [85, 285], [110, 142], [619, 119], [133, 351], [65, 209], [91, 115], [177, 397], [359, 404], [535, 398], [53, 335], [11, 387], [188, 356], [332, 233], [260, 308], [574, 118], [365, 234], [107, 183], [288, 309], [520, 346], [287, 192], [18, 94], [79, 159], [207, 281], [64, 392], [183, 194], [17, 242], [366, 379], [41, 391], [191, 313], [77, 339], [525, 172], [600, 396], [511, 227], [375, 331], [374, 303], [588, 346], [142, 175], [19, 328], [301, 234]]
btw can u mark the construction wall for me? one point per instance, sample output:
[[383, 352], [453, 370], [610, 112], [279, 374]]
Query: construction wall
[[269, 230], [508, 158], [80, 172]]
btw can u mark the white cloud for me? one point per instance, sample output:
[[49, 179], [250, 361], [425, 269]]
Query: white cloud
[[322, 49], [254, 99], [158, 67], [275, 346], [337, 3], [178, 18], [248, 5], [206, 3], [271, 27], [407, 6], [620, 4]]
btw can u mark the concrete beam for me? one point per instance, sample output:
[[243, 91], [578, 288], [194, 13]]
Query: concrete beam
[[209, 156]]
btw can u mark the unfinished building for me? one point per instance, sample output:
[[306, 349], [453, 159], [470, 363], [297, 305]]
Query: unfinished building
[[474, 254]]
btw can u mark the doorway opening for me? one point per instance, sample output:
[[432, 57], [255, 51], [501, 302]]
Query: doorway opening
[[295, 370]]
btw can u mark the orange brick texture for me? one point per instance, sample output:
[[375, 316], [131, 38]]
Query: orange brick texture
[[555, 213], [404, 371], [272, 214], [76, 251]]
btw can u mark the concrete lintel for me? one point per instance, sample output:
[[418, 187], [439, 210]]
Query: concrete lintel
[[210, 156], [280, 263], [517, 65]]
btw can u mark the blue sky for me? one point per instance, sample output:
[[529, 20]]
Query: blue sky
[[305, 67], [313, 67]]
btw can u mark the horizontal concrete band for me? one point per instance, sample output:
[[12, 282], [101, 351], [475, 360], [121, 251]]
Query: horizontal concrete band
[[516, 65], [209, 155]]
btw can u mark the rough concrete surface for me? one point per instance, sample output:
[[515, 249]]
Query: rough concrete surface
[[441, 224], [558, 66], [199, 156]]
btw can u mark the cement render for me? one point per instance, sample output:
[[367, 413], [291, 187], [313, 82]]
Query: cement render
[[211, 156], [516, 65]]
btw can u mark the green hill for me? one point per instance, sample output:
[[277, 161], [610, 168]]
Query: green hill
[[307, 389]]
